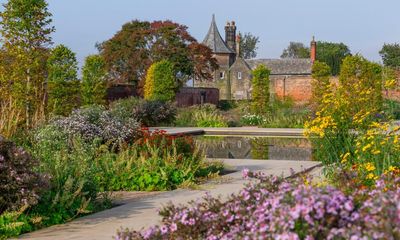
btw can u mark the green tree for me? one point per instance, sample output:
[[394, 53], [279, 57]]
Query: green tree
[[296, 50], [25, 29], [321, 73], [160, 82], [332, 54], [248, 45], [62, 81], [390, 54], [131, 51], [260, 93], [94, 85]]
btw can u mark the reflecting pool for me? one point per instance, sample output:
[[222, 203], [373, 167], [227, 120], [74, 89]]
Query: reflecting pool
[[275, 148]]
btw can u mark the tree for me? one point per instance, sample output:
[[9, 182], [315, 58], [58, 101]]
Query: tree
[[296, 50], [248, 45], [25, 29], [260, 93], [390, 54], [160, 82], [320, 83], [62, 81], [332, 54], [131, 51], [94, 85]]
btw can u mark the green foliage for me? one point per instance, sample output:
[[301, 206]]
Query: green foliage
[[332, 54], [161, 82], [321, 73], [286, 118], [260, 93], [25, 35], [62, 83], [94, 85], [206, 115], [296, 50], [124, 109], [391, 108], [248, 45], [390, 54]]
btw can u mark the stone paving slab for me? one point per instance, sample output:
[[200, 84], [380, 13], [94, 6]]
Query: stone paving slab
[[235, 131], [142, 213]]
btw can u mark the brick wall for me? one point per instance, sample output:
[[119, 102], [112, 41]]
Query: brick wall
[[297, 88]]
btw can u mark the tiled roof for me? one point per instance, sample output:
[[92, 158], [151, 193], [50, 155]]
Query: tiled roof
[[301, 66], [214, 40]]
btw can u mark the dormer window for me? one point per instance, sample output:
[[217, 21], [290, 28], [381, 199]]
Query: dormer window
[[221, 75], [239, 75]]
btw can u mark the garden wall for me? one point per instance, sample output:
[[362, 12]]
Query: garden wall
[[119, 91], [189, 96]]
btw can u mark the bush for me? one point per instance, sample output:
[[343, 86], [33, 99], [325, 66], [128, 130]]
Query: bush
[[251, 120], [20, 185], [160, 83], [284, 209], [154, 113], [260, 93], [95, 122], [124, 109], [94, 85], [206, 115]]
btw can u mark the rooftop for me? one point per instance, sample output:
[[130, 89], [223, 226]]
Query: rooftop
[[300, 66], [214, 40]]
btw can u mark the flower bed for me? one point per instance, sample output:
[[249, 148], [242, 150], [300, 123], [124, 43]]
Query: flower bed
[[285, 209]]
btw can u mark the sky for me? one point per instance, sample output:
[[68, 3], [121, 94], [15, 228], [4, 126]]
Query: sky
[[363, 25]]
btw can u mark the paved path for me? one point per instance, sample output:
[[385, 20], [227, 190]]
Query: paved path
[[142, 213], [235, 131]]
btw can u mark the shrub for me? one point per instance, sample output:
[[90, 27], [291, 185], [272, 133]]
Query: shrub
[[154, 113], [160, 83], [20, 185], [124, 109], [209, 119], [95, 122], [320, 83], [260, 93], [206, 115], [284, 209]]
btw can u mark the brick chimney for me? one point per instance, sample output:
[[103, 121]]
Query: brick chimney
[[238, 46], [313, 50], [230, 35]]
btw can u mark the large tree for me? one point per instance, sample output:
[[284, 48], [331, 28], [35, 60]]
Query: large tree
[[160, 82], [25, 29], [131, 51], [390, 54], [248, 45], [62, 81], [296, 50], [332, 54]]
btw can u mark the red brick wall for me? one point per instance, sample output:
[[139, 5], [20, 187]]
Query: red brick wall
[[297, 88]]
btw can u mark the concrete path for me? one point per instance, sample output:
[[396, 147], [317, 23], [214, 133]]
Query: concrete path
[[235, 131], [142, 213]]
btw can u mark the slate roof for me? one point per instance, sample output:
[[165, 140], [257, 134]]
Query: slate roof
[[301, 66], [214, 40]]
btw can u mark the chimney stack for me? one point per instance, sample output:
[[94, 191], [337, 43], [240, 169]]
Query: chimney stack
[[313, 50], [230, 35], [238, 46]]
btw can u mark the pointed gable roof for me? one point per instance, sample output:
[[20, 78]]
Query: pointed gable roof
[[214, 41]]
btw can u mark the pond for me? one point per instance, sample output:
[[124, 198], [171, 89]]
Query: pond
[[274, 148]]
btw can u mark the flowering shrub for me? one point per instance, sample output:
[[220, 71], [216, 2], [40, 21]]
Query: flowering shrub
[[92, 123], [20, 185], [251, 119], [284, 209], [154, 113]]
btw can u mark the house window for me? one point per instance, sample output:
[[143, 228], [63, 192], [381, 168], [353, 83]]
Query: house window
[[222, 75], [239, 76]]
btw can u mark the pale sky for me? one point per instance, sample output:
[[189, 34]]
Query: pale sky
[[363, 25]]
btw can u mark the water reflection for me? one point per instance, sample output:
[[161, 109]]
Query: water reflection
[[256, 148]]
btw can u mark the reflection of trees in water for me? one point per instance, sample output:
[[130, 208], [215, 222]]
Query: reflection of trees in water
[[255, 147]]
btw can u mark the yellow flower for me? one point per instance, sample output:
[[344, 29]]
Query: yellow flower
[[372, 176], [369, 167], [365, 148], [376, 152]]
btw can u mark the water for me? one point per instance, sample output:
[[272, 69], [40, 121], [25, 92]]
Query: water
[[256, 148]]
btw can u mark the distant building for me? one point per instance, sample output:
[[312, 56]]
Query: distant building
[[289, 77]]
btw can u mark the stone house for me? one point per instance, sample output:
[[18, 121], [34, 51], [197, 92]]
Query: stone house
[[289, 77]]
